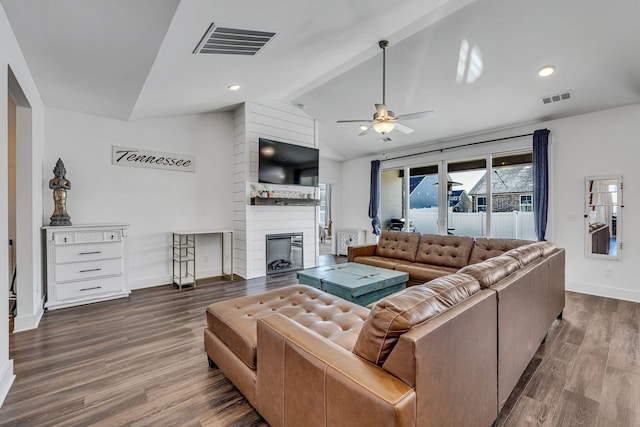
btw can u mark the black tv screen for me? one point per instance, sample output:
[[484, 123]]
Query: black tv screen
[[287, 164]]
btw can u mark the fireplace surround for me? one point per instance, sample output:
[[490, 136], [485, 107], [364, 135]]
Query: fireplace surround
[[284, 252]]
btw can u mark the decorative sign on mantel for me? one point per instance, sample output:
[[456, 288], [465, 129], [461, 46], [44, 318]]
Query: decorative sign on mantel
[[141, 158]]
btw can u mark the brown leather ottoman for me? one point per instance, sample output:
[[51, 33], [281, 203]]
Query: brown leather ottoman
[[232, 331]]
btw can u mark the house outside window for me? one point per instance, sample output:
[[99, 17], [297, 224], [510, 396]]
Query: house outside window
[[526, 203], [481, 204]]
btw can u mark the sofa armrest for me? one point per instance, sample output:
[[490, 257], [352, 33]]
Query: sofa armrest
[[305, 379], [360, 250]]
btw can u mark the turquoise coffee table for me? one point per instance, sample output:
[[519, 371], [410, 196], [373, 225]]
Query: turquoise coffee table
[[359, 283]]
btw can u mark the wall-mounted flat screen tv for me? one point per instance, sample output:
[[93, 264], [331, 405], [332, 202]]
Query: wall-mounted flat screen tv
[[287, 164]]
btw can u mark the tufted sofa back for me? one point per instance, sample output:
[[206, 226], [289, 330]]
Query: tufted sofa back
[[446, 251], [398, 313], [398, 245], [485, 248]]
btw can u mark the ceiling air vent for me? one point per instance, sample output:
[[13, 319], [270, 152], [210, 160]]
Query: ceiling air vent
[[557, 97], [233, 41]]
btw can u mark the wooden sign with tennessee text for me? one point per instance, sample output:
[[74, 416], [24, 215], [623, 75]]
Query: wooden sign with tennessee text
[[141, 158]]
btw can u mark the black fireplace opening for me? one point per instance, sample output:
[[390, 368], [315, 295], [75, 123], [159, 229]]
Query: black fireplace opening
[[284, 252]]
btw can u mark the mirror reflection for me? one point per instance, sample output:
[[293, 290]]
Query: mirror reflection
[[603, 195]]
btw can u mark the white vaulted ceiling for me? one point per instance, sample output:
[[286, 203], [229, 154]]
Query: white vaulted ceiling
[[473, 62]]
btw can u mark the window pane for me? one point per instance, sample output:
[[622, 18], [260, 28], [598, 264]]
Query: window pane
[[512, 197], [466, 191], [423, 199], [391, 199]]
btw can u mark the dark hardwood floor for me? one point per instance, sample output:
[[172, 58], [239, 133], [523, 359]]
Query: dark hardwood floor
[[140, 361]]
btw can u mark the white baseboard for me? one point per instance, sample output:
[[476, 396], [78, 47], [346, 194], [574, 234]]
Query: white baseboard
[[6, 379], [604, 291], [149, 282], [166, 280], [30, 321]]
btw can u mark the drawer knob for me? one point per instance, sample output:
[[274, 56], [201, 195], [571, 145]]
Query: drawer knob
[[92, 269], [90, 253], [90, 289]]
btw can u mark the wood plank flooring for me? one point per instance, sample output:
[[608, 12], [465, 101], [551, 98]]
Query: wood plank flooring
[[140, 362]]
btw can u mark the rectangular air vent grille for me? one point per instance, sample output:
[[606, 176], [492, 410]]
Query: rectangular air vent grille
[[557, 97], [233, 41]]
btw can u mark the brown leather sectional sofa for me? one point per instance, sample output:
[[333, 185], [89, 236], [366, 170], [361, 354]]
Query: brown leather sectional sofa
[[443, 353]]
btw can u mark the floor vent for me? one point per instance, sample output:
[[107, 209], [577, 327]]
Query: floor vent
[[233, 41], [557, 97]]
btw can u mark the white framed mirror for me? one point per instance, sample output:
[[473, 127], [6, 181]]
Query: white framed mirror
[[603, 216]]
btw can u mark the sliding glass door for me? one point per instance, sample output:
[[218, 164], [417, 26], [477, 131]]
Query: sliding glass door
[[512, 196], [424, 199], [392, 193], [466, 215], [490, 195]]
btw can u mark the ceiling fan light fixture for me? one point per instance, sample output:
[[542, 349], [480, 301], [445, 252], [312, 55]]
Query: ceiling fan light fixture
[[364, 127], [383, 127]]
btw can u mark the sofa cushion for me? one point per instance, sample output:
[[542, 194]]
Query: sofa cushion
[[377, 261], [419, 272], [528, 253], [234, 321], [398, 245], [396, 314], [492, 270], [485, 248], [524, 254], [446, 251], [545, 247]]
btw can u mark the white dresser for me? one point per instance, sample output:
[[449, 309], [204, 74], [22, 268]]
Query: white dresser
[[348, 237], [85, 264]]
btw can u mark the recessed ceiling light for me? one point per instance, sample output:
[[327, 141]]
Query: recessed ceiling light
[[364, 127], [233, 87], [546, 71]]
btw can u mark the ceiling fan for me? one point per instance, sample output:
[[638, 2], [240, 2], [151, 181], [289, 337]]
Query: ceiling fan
[[384, 121]]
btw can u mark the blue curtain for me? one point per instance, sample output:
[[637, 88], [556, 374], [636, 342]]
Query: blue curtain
[[374, 197], [540, 181]]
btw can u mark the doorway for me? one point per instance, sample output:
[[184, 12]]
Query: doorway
[[23, 176], [325, 221], [11, 208]]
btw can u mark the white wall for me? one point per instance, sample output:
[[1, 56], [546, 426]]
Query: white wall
[[153, 202], [354, 197], [27, 229], [601, 143]]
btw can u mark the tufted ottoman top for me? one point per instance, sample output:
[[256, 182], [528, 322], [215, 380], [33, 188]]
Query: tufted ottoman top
[[234, 321]]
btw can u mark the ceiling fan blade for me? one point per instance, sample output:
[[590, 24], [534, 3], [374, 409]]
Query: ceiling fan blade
[[354, 121], [402, 128], [411, 116], [364, 132]]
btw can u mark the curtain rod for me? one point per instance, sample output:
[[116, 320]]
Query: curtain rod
[[440, 150]]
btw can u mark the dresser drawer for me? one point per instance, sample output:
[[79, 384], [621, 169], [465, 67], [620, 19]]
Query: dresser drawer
[[74, 237], [88, 288], [88, 270], [87, 252]]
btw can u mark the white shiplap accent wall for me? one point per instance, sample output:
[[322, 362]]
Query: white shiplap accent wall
[[283, 122], [240, 175]]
